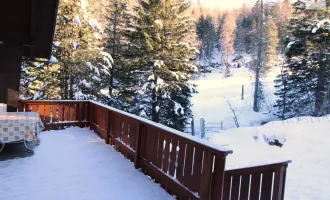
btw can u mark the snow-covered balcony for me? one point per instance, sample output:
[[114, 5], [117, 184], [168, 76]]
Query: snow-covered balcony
[[79, 163], [75, 164]]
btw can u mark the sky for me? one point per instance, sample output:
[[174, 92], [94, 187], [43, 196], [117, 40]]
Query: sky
[[223, 4]]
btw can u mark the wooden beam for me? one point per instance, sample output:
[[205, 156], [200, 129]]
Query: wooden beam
[[33, 20]]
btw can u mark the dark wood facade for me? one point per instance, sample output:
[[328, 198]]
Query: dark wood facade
[[26, 30]]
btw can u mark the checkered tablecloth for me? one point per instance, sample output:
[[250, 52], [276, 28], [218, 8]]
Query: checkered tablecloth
[[18, 126]]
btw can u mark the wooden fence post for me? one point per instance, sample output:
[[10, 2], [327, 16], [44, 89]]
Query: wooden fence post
[[202, 127], [192, 127], [139, 140], [242, 92]]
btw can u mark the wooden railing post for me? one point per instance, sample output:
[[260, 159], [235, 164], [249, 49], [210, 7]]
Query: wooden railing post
[[20, 106], [205, 184], [90, 109], [139, 140], [218, 176], [279, 182], [108, 123], [78, 114]]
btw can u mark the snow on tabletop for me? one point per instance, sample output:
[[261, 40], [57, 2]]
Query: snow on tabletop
[[75, 164], [306, 143], [168, 129]]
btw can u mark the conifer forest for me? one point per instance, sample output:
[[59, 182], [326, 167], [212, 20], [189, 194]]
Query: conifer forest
[[140, 55]]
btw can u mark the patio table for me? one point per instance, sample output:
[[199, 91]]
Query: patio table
[[20, 127]]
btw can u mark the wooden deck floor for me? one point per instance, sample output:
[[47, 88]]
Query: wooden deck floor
[[73, 164]]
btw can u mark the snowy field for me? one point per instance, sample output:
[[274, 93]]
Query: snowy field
[[306, 140], [306, 143], [75, 164], [215, 93]]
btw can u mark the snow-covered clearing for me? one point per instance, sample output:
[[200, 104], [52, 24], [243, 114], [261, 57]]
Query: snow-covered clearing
[[75, 164], [215, 92], [306, 143], [306, 140]]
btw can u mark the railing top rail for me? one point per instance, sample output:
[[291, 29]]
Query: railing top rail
[[53, 101], [257, 167], [214, 148]]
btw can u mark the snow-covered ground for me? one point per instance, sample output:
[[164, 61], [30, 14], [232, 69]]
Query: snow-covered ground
[[75, 164], [306, 143], [306, 140], [215, 92]]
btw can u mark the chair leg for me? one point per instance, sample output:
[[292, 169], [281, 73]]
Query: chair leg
[[27, 148], [2, 146]]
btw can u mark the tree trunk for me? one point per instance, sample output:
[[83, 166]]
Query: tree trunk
[[256, 86], [320, 93], [284, 93], [65, 85], [114, 52], [155, 114], [72, 96]]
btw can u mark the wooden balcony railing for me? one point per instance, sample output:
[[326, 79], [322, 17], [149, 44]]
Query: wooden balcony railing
[[266, 181], [185, 166]]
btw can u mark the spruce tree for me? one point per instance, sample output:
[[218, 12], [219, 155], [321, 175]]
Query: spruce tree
[[117, 45], [272, 41], [207, 35], [40, 81], [160, 62], [81, 60], [303, 88]]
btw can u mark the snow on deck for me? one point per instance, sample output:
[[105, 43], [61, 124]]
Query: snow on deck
[[75, 164]]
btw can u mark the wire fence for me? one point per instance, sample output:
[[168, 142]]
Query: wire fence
[[204, 127]]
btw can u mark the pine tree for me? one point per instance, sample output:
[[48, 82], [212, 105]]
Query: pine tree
[[228, 35], [40, 81], [282, 12], [272, 43], [243, 30], [207, 35], [227, 39], [160, 62], [77, 50], [303, 88], [116, 45]]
